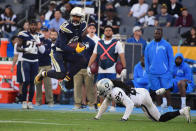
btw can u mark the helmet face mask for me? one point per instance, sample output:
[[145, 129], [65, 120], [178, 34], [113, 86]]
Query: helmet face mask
[[77, 16], [104, 86]]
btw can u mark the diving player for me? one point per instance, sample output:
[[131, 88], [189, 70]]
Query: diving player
[[130, 97], [29, 44], [62, 54]]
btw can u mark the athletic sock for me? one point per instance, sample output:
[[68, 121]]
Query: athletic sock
[[164, 101], [183, 101], [44, 74], [67, 78]]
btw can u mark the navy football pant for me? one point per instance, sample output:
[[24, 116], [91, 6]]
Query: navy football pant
[[29, 71], [65, 64]]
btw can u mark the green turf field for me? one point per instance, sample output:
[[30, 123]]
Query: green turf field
[[25, 120]]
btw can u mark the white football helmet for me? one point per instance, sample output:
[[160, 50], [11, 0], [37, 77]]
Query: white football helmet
[[77, 11], [104, 86]]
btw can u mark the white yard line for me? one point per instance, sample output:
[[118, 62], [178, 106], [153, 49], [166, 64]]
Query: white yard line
[[39, 123]]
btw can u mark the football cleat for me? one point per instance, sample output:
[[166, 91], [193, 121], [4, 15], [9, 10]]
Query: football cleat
[[186, 113], [24, 105], [30, 105], [39, 77], [160, 91]]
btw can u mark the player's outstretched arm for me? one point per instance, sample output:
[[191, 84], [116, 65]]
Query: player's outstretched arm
[[128, 103], [103, 108]]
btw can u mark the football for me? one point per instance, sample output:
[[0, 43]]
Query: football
[[119, 67], [74, 44], [94, 68]]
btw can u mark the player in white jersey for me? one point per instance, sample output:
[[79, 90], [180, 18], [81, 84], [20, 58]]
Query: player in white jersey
[[130, 97]]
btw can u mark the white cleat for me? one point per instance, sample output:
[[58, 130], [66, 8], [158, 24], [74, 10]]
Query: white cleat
[[160, 91], [30, 105], [24, 105], [186, 113], [39, 77]]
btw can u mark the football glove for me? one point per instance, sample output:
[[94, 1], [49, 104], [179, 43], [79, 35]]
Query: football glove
[[30, 49], [123, 73], [89, 71], [79, 49]]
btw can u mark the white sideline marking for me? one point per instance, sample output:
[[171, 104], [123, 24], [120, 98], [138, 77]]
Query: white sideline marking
[[39, 123]]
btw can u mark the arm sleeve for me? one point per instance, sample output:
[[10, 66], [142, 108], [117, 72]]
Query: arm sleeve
[[103, 108]]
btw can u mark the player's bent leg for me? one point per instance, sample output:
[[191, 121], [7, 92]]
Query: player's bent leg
[[171, 115], [149, 108], [77, 61], [152, 112], [168, 116], [39, 77]]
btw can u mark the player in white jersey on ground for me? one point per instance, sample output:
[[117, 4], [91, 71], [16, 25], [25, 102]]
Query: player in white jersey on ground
[[130, 97]]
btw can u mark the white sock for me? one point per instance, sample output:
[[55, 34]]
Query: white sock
[[43, 73], [183, 100], [164, 101]]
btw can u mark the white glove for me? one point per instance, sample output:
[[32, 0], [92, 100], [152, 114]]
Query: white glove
[[89, 71], [123, 73], [31, 49], [41, 49]]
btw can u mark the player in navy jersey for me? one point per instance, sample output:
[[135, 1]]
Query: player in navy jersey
[[29, 44], [63, 55]]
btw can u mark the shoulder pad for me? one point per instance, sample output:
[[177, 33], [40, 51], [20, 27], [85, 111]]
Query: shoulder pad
[[23, 33], [65, 27]]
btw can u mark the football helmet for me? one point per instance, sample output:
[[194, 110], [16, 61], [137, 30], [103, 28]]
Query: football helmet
[[104, 86], [77, 11]]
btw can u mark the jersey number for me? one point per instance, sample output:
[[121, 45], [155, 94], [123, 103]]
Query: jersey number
[[33, 46], [118, 97]]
